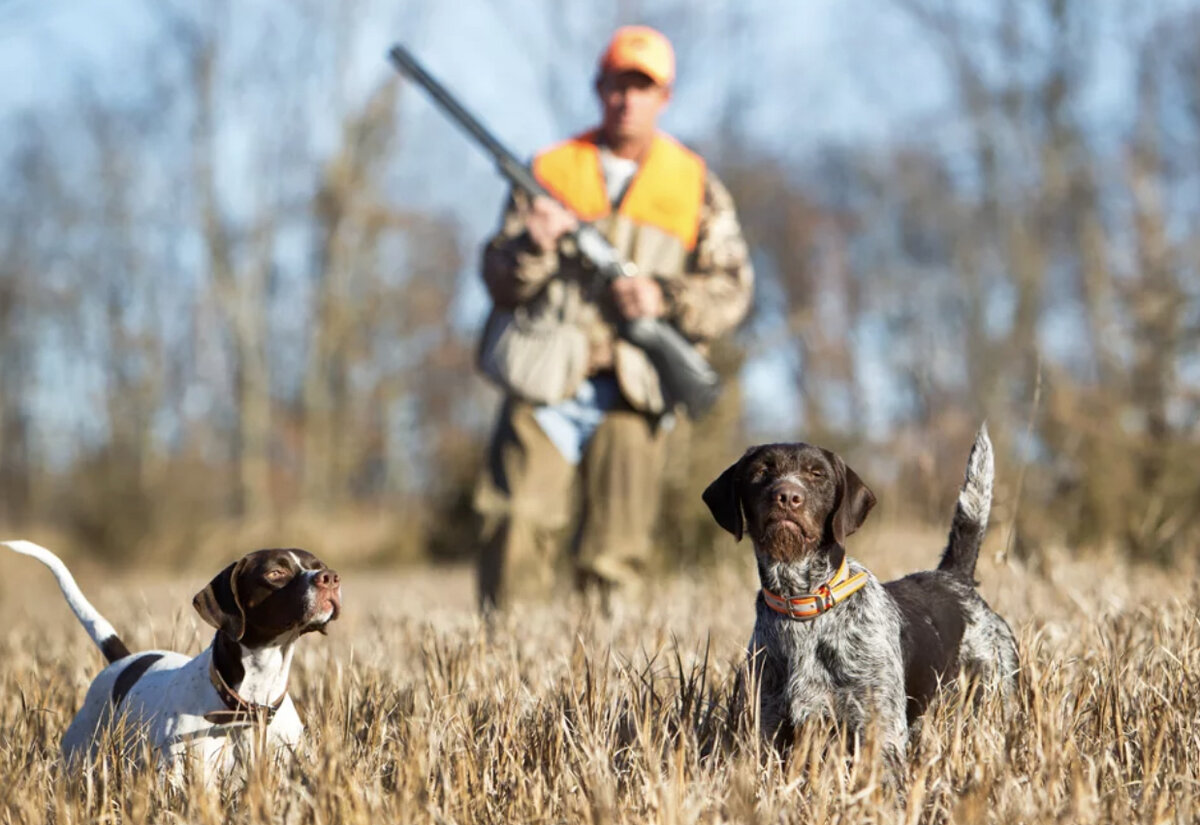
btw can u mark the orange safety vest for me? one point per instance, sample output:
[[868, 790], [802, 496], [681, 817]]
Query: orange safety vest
[[667, 190]]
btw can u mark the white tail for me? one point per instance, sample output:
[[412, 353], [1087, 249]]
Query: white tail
[[971, 512], [102, 633]]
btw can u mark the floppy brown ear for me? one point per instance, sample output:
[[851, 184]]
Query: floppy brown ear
[[219, 605], [855, 500], [723, 502]]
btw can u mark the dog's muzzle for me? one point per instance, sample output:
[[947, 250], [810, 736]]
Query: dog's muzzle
[[328, 586]]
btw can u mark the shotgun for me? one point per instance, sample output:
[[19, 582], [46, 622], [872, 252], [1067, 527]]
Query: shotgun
[[686, 377]]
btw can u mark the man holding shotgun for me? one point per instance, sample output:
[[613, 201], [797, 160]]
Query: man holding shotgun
[[667, 214]]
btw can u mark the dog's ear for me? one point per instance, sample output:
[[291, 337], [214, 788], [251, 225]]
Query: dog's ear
[[855, 500], [724, 502], [219, 603]]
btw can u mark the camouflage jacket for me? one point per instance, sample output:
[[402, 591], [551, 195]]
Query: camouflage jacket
[[707, 297]]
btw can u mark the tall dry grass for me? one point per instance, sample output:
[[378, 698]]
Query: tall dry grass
[[416, 712]]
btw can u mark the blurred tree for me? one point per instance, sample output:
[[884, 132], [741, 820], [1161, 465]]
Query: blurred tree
[[1063, 221], [28, 174], [220, 302]]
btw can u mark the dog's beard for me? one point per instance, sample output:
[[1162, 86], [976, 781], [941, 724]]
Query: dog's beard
[[785, 540]]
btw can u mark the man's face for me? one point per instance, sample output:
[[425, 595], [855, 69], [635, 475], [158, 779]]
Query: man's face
[[631, 103]]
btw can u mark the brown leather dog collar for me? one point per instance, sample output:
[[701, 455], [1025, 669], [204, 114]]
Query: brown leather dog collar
[[239, 708], [811, 605]]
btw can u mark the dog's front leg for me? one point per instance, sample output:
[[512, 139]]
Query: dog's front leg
[[767, 683], [892, 728]]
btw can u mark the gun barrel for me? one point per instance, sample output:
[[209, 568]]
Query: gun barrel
[[509, 165]]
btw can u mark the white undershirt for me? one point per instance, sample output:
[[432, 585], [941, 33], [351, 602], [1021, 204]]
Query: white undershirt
[[618, 172]]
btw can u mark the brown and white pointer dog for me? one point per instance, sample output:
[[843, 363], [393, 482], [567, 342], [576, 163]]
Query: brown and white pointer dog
[[830, 641], [206, 707]]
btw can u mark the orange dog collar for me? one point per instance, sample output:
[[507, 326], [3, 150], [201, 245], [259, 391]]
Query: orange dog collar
[[811, 605]]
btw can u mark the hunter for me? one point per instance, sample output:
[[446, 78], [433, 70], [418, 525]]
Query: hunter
[[667, 213]]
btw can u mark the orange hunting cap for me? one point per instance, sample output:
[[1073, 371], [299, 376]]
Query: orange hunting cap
[[640, 49]]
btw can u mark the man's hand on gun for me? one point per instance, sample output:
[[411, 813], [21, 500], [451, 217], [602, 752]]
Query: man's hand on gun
[[638, 297], [547, 221]]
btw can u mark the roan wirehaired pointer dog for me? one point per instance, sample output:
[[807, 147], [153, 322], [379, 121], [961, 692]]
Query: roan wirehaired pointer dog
[[830, 641], [211, 706]]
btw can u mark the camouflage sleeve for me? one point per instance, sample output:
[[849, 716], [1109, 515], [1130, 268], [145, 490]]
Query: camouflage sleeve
[[714, 294], [514, 270]]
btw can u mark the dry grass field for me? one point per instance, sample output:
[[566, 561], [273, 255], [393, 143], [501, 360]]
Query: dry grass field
[[416, 712]]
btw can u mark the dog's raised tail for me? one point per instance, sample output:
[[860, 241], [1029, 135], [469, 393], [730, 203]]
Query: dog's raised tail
[[102, 633], [971, 512]]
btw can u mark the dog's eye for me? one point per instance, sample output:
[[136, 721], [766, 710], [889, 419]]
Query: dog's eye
[[758, 474], [816, 472], [276, 575]]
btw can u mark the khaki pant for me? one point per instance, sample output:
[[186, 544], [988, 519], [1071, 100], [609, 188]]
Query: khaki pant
[[526, 496]]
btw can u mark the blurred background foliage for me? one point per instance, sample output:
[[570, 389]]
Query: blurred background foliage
[[238, 297]]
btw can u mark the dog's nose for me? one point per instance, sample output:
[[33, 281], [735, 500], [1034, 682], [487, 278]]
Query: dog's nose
[[788, 495], [328, 578]]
